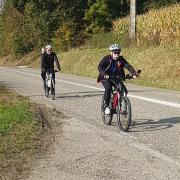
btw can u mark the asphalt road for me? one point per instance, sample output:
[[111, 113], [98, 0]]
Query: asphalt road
[[88, 149]]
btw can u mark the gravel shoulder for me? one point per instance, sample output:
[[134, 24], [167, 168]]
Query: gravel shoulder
[[83, 151]]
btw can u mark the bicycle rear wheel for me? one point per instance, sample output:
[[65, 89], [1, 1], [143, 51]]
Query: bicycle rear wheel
[[52, 90], [124, 113], [107, 118]]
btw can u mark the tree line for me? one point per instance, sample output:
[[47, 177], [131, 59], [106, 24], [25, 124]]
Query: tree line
[[27, 25]]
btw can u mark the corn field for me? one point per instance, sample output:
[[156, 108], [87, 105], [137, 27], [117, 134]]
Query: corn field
[[157, 27]]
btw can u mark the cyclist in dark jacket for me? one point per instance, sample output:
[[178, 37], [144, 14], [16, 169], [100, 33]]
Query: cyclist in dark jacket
[[113, 65], [48, 57]]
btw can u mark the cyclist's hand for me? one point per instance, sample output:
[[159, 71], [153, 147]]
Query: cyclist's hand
[[42, 50], [138, 72]]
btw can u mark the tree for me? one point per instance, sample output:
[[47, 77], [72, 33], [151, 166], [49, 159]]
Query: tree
[[118, 8], [98, 17], [70, 23]]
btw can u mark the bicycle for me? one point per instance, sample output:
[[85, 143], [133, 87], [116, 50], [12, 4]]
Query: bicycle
[[119, 104], [50, 84]]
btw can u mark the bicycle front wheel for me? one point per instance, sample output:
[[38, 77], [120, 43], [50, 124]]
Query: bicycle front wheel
[[47, 91], [124, 113]]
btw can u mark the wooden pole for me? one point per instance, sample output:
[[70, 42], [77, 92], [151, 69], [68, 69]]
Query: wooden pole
[[132, 28]]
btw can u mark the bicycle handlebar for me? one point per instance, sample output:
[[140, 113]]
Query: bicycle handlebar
[[129, 76], [56, 70], [50, 70]]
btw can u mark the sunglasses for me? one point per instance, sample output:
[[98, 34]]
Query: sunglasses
[[116, 52], [49, 50]]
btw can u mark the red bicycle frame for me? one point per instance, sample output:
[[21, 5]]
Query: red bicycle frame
[[115, 99]]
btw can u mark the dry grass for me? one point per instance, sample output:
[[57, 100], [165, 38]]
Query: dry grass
[[160, 66], [81, 61]]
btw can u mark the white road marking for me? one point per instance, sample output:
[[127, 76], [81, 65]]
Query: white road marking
[[176, 105], [172, 104]]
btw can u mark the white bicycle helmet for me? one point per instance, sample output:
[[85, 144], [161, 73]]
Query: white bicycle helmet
[[115, 47], [48, 46]]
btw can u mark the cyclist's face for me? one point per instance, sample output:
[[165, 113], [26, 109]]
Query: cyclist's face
[[115, 54], [49, 51]]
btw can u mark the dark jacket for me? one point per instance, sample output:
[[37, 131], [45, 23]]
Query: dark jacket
[[47, 61], [115, 68]]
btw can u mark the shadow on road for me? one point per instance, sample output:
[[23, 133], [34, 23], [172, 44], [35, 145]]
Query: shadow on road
[[72, 95], [79, 94], [151, 125]]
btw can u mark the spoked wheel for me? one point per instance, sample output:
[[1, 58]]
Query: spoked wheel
[[52, 90], [124, 114], [107, 118]]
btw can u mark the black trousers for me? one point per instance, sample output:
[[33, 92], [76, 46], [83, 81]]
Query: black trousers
[[107, 93], [108, 89]]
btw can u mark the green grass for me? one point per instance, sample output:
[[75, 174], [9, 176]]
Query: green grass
[[18, 129], [17, 117], [11, 116]]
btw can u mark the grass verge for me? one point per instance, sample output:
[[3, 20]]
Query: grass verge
[[19, 131]]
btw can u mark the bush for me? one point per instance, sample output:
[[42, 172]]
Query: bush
[[63, 36], [11, 20], [20, 47]]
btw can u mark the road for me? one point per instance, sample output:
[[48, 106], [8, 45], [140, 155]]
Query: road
[[88, 149]]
